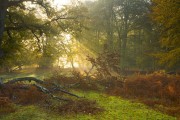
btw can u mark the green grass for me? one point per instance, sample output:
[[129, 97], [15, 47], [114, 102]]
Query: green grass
[[116, 108]]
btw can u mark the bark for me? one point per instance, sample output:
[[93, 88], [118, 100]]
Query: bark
[[3, 7], [110, 29], [118, 28], [124, 42], [125, 34]]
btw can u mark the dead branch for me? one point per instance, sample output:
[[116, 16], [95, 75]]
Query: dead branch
[[64, 91], [41, 88], [46, 91], [106, 64], [59, 88], [72, 85], [88, 72]]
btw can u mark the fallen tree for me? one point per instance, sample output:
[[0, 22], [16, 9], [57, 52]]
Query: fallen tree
[[39, 84], [24, 79]]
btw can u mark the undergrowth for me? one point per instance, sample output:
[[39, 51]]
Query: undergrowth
[[22, 94], [159, 91], [6, 106], [155, 90], [115, 108]]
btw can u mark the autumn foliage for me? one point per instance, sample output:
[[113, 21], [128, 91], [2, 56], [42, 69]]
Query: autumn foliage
[[155, 85], [23, 94], [153, 89], [6, 106]]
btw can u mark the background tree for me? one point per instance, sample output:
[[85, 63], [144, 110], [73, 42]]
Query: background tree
[[167, 15], [35, 26], [124, 27]]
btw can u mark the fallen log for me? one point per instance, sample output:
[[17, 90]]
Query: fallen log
[[41, 88], [23, 79]]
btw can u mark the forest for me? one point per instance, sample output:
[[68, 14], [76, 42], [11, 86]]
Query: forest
[[89, 59]]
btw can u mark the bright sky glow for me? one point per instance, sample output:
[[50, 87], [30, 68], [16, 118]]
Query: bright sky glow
[[61, 2]]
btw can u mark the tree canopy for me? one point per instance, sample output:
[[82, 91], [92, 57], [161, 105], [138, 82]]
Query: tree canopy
[[167, 15], [35, 27], [125, 27]]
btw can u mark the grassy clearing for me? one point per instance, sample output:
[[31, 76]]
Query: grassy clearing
[[115, 108]]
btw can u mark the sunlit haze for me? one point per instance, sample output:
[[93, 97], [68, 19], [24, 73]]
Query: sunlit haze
[[61, 2], [89, 59]]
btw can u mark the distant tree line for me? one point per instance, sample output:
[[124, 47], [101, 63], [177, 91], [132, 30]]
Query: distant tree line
[[144, 33]]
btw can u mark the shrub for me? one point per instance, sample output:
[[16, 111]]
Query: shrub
[[30, 96], [23, 94], [6, 106], [160, 86]]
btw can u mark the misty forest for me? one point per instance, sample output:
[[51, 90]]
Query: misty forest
[[89, 59]]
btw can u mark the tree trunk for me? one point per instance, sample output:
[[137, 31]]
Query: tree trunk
[[110, 29], [125, 34], [119, 39], [124, 42], [3, 8]]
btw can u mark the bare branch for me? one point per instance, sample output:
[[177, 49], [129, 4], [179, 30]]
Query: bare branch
[[46, 91]]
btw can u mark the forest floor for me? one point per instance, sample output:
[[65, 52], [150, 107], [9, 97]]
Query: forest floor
[[115, 108], [96, 104]]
